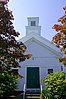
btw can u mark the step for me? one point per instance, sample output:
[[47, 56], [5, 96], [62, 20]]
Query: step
[[32, 94], [33, 91], [32, 97], [35, 96]]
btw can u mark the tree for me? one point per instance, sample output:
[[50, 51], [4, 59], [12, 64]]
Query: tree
[[11, 51], [60, 38], [55, 86]]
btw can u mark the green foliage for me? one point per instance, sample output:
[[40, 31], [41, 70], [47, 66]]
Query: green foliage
[[7, 84], [55, 86]]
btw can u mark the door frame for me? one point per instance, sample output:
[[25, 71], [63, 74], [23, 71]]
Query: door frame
[[39, 75]]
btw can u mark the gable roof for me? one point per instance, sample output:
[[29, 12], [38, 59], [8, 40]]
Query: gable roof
[[42, 40]]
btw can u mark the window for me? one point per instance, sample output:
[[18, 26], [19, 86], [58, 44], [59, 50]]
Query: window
[[33, 23], [15, 71], [50, 71]]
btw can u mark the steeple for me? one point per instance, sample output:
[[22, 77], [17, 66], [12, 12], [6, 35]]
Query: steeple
[[33, 26]]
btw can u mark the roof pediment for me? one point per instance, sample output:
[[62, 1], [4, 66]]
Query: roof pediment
[[41, 40]]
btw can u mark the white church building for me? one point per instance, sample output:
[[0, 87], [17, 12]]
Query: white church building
[[44, 58]]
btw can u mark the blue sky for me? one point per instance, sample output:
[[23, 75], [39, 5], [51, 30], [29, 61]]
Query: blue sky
[[48, 12]]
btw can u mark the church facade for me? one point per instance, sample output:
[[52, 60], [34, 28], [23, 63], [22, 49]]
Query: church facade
[[44, 58]]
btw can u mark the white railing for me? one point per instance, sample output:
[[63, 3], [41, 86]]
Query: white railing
[[24, 89], [41, 88]]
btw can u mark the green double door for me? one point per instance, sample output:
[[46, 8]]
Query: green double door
[[33, 79]]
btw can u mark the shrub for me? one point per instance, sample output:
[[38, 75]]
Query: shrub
[[55, 86], [7, 84]]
